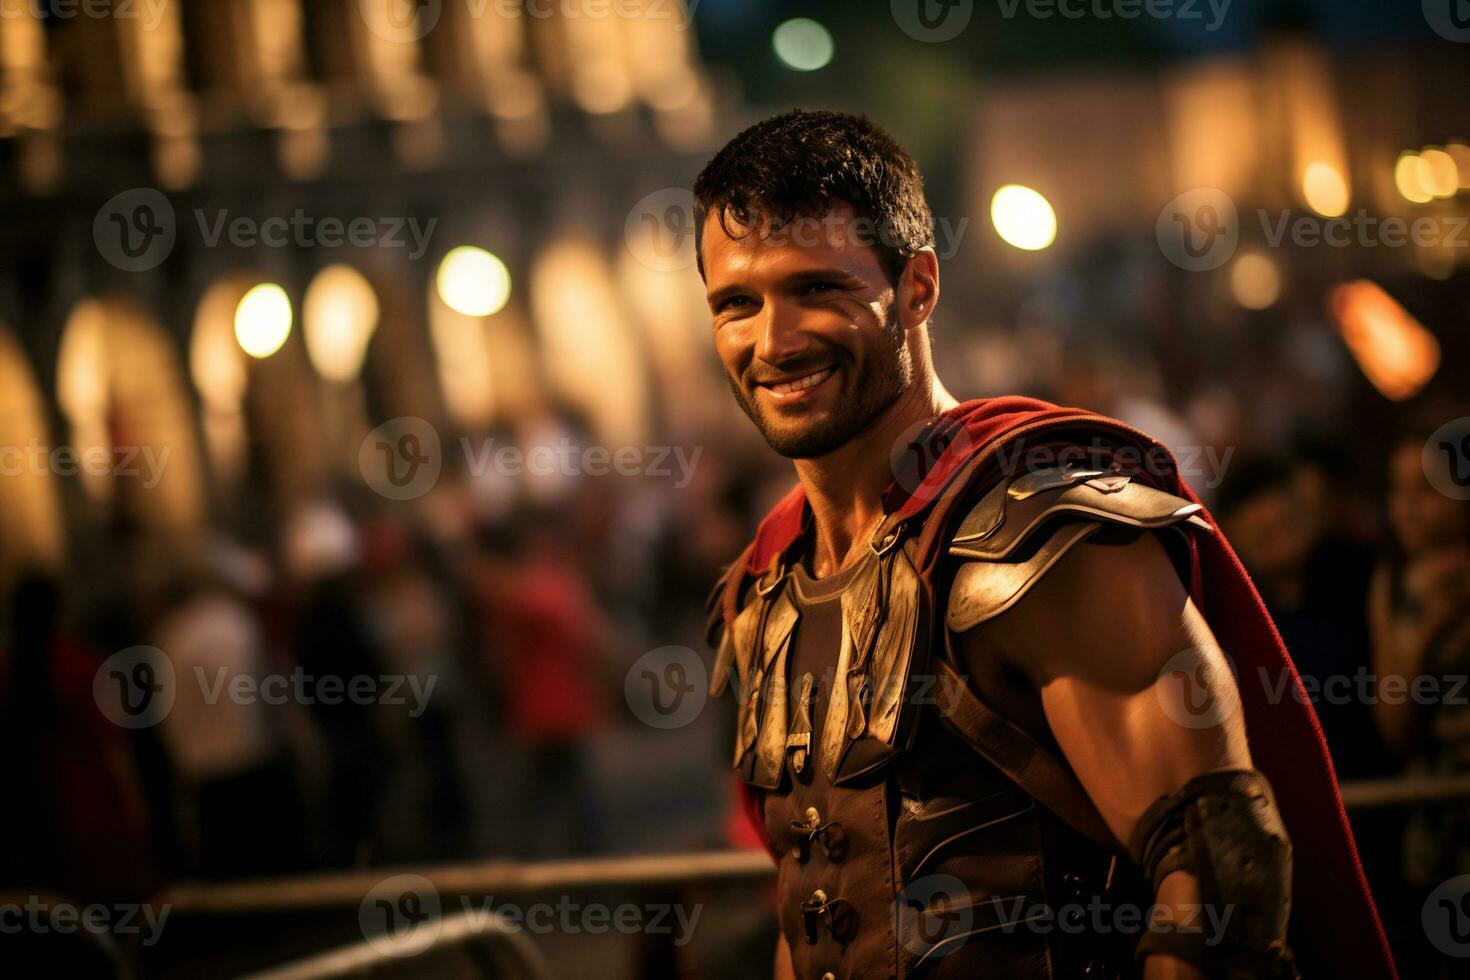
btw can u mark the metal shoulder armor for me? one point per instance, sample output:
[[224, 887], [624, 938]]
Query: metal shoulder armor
[[1021, 529]]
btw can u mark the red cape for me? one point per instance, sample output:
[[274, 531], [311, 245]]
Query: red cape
[[1335, 923]]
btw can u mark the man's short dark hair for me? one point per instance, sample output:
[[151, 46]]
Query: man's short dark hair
[[801, 164]]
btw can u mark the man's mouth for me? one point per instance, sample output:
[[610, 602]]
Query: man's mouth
[[794, 386]]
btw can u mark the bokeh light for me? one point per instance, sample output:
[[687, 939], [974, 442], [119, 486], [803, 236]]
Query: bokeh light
[[1408, 177], [1325, 190], [338, 316], [1394, 350], [1438, 173], [473, 282], [263, 320], [1023, 218], [1255, 282], [802, 44]]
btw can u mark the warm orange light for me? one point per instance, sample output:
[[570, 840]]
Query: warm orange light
[[1409, 177], [1395, 351], [1255, 282], [338, 316], [1325, 190], [1439, 173]]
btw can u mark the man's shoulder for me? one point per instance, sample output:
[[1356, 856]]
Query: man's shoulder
[[1021, 528]]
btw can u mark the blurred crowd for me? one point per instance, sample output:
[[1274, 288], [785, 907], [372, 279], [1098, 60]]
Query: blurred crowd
[[373, 683]]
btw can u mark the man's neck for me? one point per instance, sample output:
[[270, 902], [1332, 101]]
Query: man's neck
[[845, 487]]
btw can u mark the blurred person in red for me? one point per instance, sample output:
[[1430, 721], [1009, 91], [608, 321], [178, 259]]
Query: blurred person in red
[[549, 644], [957, 644], [78, 816]]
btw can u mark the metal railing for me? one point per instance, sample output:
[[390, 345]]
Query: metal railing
[[496, 934], [489, 877]]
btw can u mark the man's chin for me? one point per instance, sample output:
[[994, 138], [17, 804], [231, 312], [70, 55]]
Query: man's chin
[[806, 441]]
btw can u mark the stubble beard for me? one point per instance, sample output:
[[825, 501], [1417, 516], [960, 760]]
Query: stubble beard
[[889, 373]]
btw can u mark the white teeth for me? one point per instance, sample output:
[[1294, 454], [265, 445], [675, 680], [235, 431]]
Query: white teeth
[[801, 384]]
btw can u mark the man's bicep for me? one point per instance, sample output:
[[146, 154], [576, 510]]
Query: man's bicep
[[1135, 688]]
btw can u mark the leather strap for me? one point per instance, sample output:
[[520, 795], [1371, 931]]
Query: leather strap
[[1028, 763]]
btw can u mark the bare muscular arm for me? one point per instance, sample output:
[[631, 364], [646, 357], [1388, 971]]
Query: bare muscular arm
[[1110, 638]]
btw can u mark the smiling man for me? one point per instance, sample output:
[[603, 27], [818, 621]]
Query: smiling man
[[985, 724]]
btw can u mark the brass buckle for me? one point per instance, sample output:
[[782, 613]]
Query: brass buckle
[[882, 545], [777, 573], [838, 915]]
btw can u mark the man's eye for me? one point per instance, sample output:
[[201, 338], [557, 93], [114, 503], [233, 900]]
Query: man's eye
[[820, 287], [732, 303]]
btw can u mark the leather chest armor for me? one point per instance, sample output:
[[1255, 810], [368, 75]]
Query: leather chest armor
[[921, 833]]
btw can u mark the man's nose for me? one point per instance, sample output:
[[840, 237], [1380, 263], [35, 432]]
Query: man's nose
[[781, 336]]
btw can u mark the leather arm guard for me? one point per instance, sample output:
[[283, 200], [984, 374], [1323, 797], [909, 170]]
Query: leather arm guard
[[1224, 829]]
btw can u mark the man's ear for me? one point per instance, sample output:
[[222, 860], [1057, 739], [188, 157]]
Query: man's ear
[[918, 289]]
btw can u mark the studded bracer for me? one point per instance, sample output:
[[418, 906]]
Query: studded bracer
[[920, 832]]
